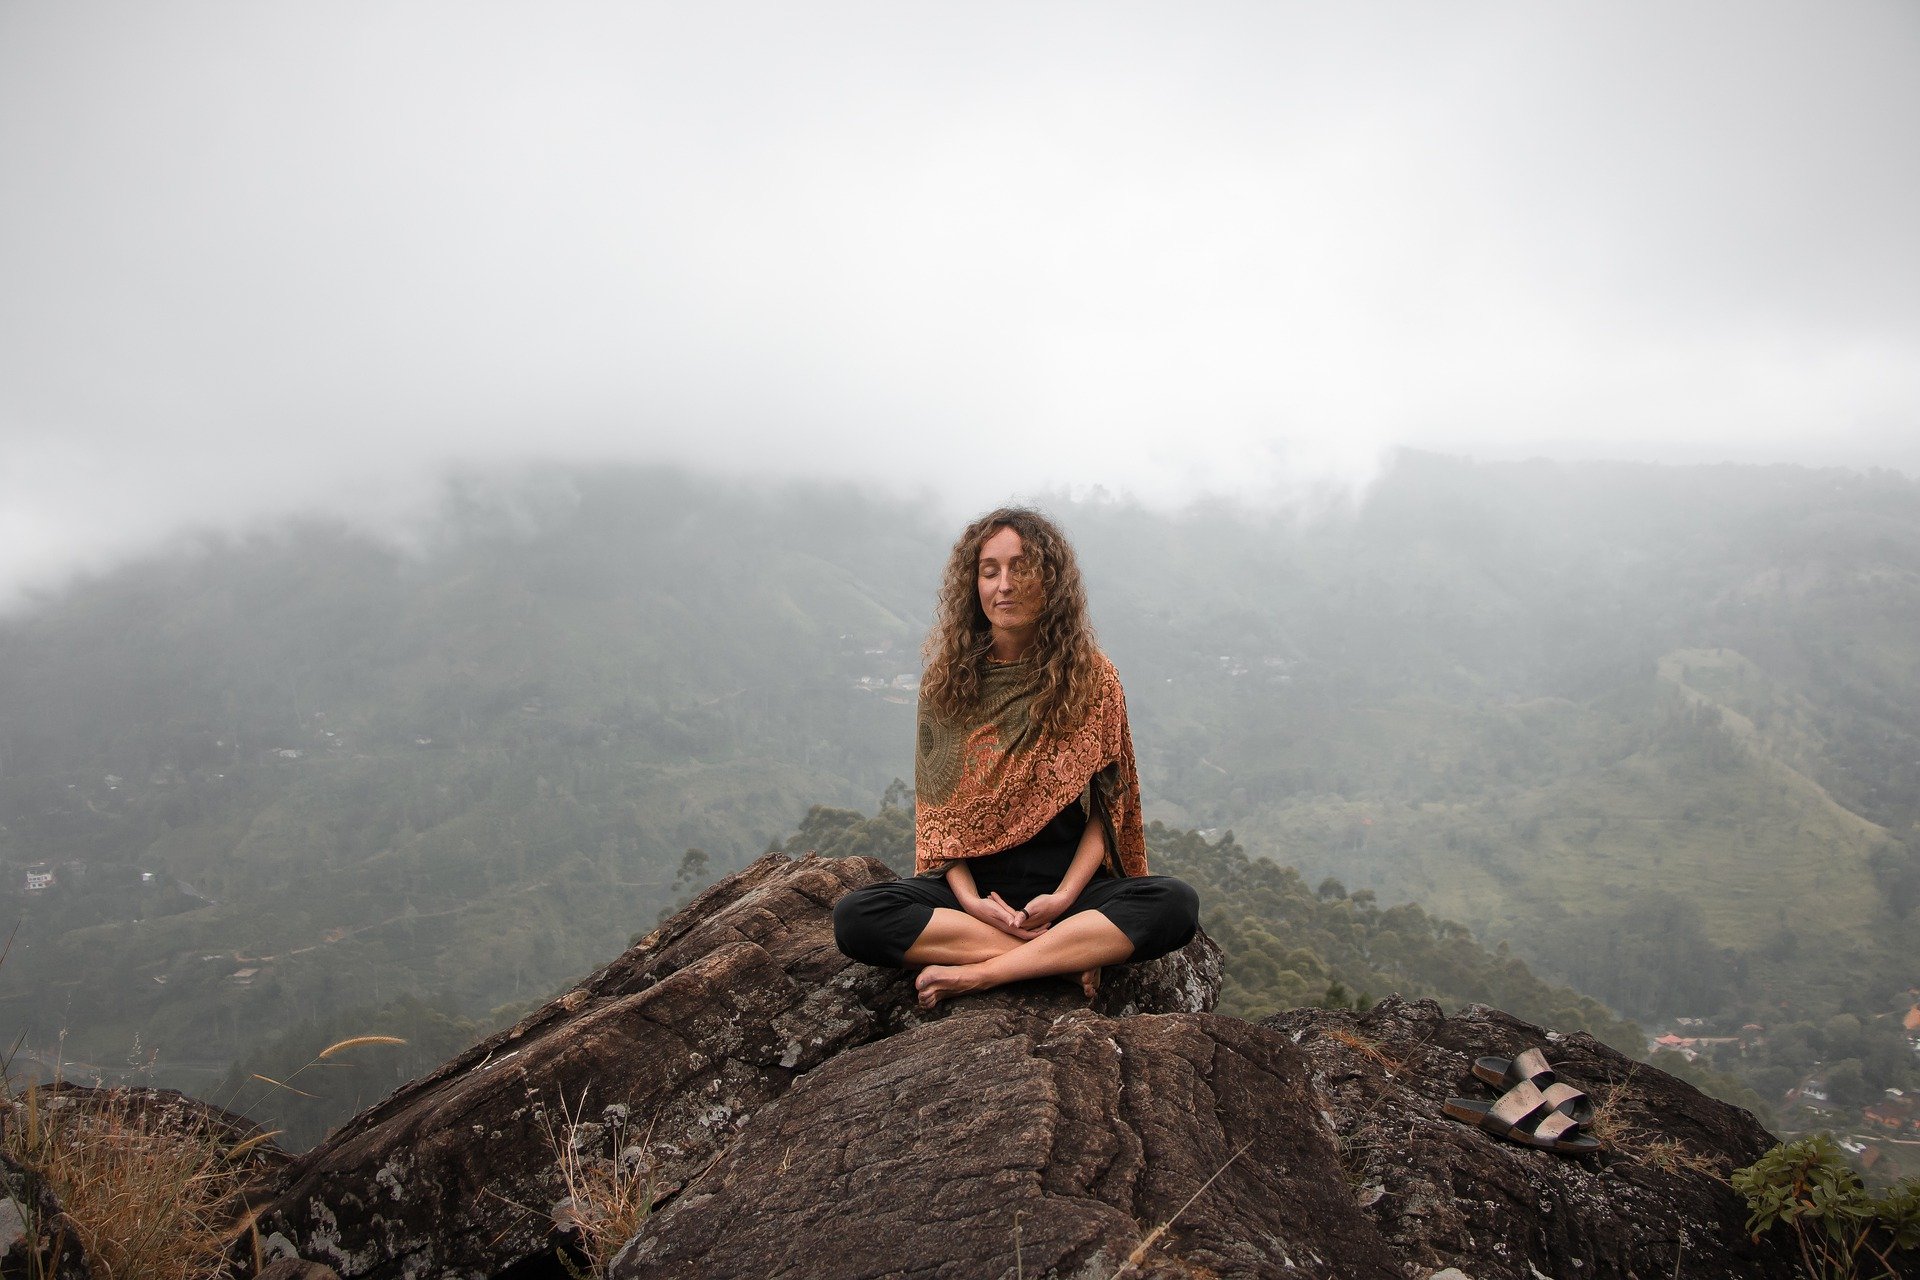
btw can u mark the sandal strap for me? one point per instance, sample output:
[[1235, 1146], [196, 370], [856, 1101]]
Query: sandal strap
[[1518, 1105], [1553, 1127], [1563, 1098], [1531, 1064]]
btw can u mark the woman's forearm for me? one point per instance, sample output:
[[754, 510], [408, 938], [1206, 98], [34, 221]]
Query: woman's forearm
[[1087, 858], [960, 880]]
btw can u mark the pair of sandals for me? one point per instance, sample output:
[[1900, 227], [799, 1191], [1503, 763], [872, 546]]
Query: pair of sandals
[[1536, 1110]]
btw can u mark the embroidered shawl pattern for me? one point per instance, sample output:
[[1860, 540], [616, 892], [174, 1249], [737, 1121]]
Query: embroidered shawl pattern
[[993, 782]]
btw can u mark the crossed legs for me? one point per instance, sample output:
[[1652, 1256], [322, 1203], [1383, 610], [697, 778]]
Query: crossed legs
[[916, 924], [962, 954]]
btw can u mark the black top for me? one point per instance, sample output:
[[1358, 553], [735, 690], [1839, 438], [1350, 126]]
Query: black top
[[1062, 832], [1036, 865]]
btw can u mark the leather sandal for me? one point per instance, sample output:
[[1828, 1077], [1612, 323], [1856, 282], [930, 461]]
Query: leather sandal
[[1531, 1065], [1524, 1115]]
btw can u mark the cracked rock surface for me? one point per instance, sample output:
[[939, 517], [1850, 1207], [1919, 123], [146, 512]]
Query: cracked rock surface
[[1444, 1194], [799, 1117], [1001, 1142], [686, 1038]]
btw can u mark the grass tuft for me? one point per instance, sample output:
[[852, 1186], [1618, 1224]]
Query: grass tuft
[[320, 1059], [609, 1181], [1613, 1126], [1365, 1046], [147, 1201]]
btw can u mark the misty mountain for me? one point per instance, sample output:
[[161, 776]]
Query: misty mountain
[[1656, 728]]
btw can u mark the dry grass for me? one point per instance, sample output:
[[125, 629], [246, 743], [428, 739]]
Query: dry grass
[[609, 1181], [323, 1058], [1141, 1250], [147, 1202], [1613, 1126], [1365, 1046], [1670, 1155], [1610, 1122], [1355, 1149], [147, 1199]]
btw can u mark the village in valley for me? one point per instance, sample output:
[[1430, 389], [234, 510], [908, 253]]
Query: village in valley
[[1878, 1128]]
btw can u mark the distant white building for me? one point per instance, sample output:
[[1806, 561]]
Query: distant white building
[[39, 878]]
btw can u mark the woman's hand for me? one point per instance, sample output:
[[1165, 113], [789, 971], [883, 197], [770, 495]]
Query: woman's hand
[[994, 910], [1045, 909]]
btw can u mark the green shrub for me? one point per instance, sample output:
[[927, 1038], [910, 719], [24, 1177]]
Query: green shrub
[[1808, 1186]]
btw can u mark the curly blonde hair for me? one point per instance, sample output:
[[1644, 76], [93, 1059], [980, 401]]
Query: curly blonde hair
[[1064, 650]]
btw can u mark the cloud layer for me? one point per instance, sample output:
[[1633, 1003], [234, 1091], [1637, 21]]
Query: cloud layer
[[257, 259]]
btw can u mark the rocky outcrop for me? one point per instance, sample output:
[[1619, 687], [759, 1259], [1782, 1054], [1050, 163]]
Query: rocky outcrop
[[1443, 1194], [37, 1239], [1001, 1142], [684, 1039], [795, 1114]]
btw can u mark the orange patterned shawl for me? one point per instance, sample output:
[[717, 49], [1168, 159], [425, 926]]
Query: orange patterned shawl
[[992, 782]]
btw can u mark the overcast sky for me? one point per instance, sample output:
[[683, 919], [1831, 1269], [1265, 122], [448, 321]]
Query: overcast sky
[[264, 258]]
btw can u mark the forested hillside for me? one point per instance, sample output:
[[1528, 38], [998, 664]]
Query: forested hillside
[[1654, 729], [309, 771]]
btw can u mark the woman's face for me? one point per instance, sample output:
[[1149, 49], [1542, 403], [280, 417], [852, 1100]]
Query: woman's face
[[1009, 583]]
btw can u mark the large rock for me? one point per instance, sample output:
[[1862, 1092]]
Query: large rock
[[796, 1114], [1005, 1143], [1443, 1194], [686, 1037]]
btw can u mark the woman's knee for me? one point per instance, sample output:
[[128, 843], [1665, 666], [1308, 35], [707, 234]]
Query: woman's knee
[[1185, 906], [1179, 912], [859, 927], [849, 923]]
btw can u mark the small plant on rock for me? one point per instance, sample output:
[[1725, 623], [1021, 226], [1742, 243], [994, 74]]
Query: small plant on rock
[[1839, 1225], [145, 1201], [608, 1179], [1614, 1125]]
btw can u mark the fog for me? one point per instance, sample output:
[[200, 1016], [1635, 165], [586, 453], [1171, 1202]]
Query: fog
[[264, 259]]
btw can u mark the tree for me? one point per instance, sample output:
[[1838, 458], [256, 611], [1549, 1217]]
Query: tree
[[1847, 1084], [693, 869]]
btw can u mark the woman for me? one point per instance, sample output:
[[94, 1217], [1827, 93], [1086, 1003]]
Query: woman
[[1029, 855]]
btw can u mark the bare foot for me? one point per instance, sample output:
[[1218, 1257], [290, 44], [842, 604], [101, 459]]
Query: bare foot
[[938, 981], [1090, 982]]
